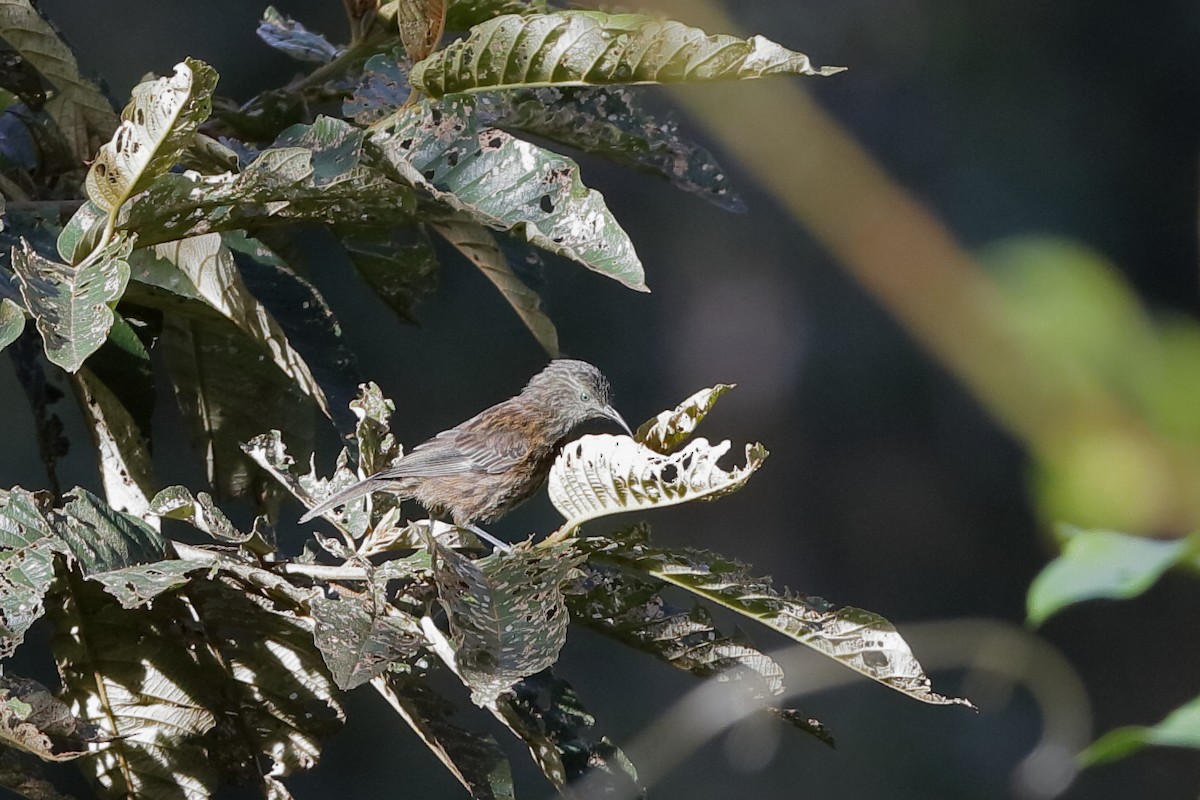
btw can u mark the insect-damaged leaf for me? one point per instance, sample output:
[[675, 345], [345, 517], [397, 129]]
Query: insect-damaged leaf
[[27, 547], [72, 304], [671, 428], [399, 264], [382, 89], [507, 184], [861, 640], [588, 48], [422, 23], [506, 612], [288, 36], [598, 475], [32, 719], [359, 643]]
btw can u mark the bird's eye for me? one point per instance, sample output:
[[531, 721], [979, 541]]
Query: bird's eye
[[585, 397]]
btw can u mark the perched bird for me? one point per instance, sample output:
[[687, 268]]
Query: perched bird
[[480, 469]]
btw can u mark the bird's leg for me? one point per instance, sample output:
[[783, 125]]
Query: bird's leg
[[487, 537]]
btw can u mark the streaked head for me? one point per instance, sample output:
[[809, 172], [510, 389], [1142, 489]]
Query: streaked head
[[577, 391]]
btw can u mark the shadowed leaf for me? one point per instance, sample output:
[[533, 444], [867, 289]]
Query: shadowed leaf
[[12, 322], [399, 264], [464, 14], [358, 644], [861, 640], [382, 89], [507, 184], [27, 547], [288, 36], [33, 720], [589, 48]]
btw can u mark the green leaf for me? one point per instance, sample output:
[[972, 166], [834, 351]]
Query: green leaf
[[506, 612], [12, 322], [422, 23], [377, 447], [269, 452], [861, 640], [82, 232], [156, 128], [464, 14], [399, 265], [474, 759], [1180, 728], [589, 48], [545, 712], [669, 429], [598, 475], [176, 502], [632, 610], [382, 89], [360, 643], [72, 305], [1102, 564], [507, 184], [288, 36], [480, 247], [607, 122], [82, 112], [27, 546], [33, 720]]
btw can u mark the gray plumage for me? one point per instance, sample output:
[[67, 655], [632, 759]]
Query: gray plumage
[[483, 467]]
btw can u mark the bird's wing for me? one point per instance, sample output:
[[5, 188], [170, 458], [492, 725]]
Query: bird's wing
[[470, 447]]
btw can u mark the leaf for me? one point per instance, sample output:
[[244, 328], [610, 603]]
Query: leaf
[[12, 322], [597, 475], [671, 428], [632, 610], [360, 643], [506, 612], [382, 89], [290, 37], [27, 546], [464, 14], [1096, 564], [377, 447], [1180, 728], [399, 265], [545, 712], [422, 23], [33, 720], [507, 184], [480, 247], [607, 122], [474, 759], [72, 304], [82, 112], [122, 451], [31, 371], [23, 774], [176, 502], [589, 48], [156, 128], [861, 640]]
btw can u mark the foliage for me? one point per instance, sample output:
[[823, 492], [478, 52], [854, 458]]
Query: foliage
[[186, 667]]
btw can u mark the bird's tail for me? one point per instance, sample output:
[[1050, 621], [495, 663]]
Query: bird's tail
[[360, 489]]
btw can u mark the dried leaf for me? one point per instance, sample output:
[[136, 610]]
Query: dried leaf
[[33, 720], [422, 23]]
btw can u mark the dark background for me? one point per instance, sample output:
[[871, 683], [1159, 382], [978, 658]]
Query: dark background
[[888, 487]]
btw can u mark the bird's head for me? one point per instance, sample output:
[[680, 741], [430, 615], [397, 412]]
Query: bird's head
[[576, 392]]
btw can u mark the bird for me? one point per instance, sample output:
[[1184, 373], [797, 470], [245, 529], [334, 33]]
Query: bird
[[487, 465]]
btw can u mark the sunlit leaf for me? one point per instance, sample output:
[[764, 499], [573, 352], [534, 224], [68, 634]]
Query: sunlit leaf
[[671, 428], [27, 547], [861, 640], [507, 184], [481, 248], [177, 502], [422, 23], [607, 122], [288, 36], [32, 719], [156, 127], [82, 112], [588, 48], [12, 322], [71, 304], [1103, 564], [544, 711], [506, 612], [633, 611], [358, 643], [597, 475], [1180, 728], [377, 447]]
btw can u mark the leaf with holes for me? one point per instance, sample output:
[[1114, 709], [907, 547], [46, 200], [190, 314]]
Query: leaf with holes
[[861, 640], [72, 304], [598, 475], [290, 37], [507, 184], [422, 23], [269, 452], [481, 248], [608, 122], [633, 610], [177, 502], [359, 644], [156, 127], [27, 547], [506, 612], [382, 89], [671, 428], [33, 720], [590, 48]]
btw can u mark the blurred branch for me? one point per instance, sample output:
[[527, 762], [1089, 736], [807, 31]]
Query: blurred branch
[[907, 259]]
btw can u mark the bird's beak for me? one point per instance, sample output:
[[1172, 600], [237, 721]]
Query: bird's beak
[[611, 413]]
